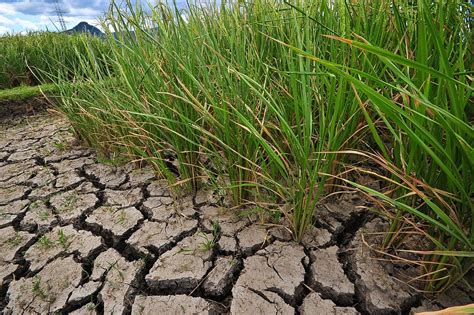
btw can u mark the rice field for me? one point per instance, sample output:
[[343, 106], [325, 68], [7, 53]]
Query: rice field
[[279, 105], [37, 57]]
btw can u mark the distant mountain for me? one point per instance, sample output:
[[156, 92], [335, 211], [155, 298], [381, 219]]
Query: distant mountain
[[84, 27]]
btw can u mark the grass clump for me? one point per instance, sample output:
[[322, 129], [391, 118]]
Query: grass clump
[[45, 242], [63, 240], [267, 100], [209, 242], [38, 290], [70, 202], [44, 214]]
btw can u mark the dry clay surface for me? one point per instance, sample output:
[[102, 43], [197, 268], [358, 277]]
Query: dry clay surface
[[81, 237]]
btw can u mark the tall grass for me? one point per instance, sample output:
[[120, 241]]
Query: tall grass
[[262, 99], [31, 59]]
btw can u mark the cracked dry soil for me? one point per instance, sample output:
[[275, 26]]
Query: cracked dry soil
[[81, 237]]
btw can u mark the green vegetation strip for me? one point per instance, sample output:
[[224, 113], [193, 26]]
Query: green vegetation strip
[[25, 92]]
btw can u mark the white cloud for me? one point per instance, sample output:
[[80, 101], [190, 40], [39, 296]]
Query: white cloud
[[15, 24], [7, 8], [5, 21]]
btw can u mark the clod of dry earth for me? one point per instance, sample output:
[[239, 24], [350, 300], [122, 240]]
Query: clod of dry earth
[[327, 276], [382, 294], [175, 304]]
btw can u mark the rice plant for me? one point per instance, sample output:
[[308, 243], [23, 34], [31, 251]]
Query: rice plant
[[422, 104], [266, 100]]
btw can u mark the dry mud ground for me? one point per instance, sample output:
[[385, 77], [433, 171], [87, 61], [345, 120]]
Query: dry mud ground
[[78, 236]]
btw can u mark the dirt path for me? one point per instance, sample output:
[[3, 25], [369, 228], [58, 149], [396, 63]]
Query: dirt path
[[83, 237]]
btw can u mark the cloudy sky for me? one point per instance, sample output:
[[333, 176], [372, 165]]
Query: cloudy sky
[[23, 15]]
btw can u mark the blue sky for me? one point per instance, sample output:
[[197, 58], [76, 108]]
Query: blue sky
[[23, 15]]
